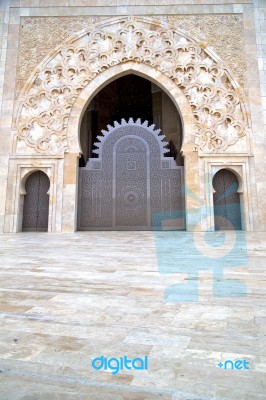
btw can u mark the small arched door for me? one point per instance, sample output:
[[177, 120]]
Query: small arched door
[[36, 203], [226, 201]]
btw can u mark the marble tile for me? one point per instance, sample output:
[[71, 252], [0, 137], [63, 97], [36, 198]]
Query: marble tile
[[68, 298]]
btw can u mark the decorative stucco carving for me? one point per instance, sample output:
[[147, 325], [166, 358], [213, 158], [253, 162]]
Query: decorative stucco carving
[[223, 33], [214, 96], [40, 35]]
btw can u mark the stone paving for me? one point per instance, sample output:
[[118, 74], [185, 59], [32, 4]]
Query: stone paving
[[66, 299]]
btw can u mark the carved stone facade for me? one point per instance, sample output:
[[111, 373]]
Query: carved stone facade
[[202, 57], [216, 99], [40, 36]]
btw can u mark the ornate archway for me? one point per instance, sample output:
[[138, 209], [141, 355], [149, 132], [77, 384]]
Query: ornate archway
[[50, 107], [180, 102]]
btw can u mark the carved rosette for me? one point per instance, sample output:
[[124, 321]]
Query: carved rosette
[[215, 98]]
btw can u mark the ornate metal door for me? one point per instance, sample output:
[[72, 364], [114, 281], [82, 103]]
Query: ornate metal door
[[227, 212], [36, 203], [131, 183]]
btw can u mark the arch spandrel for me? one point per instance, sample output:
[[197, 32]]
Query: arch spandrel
[[214, 97]]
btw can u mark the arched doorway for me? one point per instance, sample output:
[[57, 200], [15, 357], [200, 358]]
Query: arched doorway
[[36, 203], [226, 201], [132, 172], [131, 96]]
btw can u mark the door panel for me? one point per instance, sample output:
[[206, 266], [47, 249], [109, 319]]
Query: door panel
[[131, 205], [227, 212], [36, 203], [131, 185]]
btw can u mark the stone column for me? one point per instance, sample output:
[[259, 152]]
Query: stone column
[[70, 186]]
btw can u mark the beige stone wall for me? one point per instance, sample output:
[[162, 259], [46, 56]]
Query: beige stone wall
[[260, 23], [255, 24], [249, 163], [6, 102], [39, 36]]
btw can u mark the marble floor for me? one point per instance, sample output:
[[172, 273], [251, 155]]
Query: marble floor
[[66, 299]]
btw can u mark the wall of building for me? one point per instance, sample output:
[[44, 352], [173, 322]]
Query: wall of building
[[5, 107], [12, 11], [260, 21]]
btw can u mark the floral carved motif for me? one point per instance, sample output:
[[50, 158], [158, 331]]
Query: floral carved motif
[[224, 33], [40, 35], [214, 97]]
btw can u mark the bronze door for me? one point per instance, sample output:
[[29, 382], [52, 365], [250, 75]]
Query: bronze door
[[131, 185], [227, 212], [36, 203]]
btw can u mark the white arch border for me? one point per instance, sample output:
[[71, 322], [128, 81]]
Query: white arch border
[[117, 71]]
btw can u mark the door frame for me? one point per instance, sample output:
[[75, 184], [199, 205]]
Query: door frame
[[240, 167], [20, 167], [37, 188], [224, 171]]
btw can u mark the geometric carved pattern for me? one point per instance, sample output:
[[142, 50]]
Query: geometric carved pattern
[[131, 182], [131, 186], [215, 98]]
